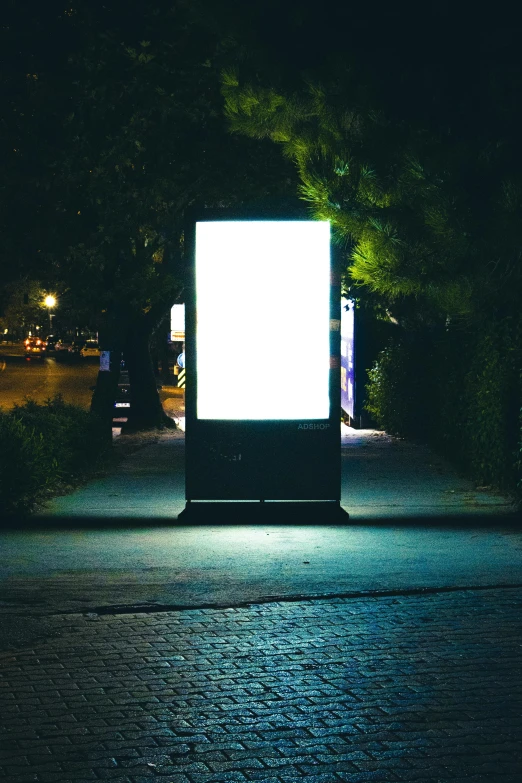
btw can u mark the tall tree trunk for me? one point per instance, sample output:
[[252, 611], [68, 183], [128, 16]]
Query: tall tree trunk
[[160, 348], [146, 411]]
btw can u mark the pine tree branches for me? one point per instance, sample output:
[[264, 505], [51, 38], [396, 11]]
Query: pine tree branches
[[424, 212]]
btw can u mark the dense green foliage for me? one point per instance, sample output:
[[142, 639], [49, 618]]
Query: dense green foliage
[[422, 181], [460, 392], [43, 447], [23, 469]]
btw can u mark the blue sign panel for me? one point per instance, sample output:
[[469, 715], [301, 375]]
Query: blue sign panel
[[347, 356]]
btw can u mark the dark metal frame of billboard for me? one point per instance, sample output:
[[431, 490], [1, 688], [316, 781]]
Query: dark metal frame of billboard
[[215, 448]]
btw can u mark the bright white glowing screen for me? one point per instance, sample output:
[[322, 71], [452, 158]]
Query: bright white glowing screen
[[177, 318], [263, 319]]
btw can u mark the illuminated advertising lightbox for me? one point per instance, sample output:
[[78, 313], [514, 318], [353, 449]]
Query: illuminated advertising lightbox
[[262, 297], [348, 356], [262, 396]]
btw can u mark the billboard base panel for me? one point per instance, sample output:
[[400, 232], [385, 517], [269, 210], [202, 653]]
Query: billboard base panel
[[264, 512]]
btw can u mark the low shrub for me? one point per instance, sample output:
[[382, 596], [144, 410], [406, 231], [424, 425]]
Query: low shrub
[[24, 468], [43, 447]]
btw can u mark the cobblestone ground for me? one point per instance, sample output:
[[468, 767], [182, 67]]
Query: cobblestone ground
[[396, 688]]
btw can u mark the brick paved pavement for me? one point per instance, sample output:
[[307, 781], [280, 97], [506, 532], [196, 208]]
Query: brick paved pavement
[[396, 688]]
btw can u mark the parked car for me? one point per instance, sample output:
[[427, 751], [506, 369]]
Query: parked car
[[75, 349], [65, 350], [90, 348], [51, 342], [34, 347], [62, 345]]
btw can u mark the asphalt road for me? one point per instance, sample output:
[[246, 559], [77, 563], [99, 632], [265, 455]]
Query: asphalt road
[[41, 379], [44, 378]]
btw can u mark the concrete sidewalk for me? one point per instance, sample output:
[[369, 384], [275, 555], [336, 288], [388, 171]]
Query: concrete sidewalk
[[383, 478]]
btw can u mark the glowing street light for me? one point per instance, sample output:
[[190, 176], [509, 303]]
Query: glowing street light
[[50, 302]]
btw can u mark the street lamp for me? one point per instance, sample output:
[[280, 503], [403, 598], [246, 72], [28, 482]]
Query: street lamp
[[50, 302]]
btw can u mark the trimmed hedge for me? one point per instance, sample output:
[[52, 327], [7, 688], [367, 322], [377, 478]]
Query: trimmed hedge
[[460, 391], [44, 447], [399, 393]]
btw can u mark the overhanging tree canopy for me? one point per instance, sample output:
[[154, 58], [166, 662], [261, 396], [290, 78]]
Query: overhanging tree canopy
[[407, 141]]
